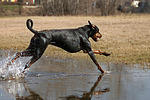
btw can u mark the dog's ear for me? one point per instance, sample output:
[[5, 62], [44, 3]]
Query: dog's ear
[[90, 23], [91, 26]]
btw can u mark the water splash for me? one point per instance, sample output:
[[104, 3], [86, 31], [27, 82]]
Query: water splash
[[13, 71]]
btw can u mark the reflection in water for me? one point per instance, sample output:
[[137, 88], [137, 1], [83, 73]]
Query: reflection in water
[[19, 90], [88, 96]]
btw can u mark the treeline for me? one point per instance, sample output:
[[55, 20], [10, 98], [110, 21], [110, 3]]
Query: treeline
[[68, 7], [79, 7]]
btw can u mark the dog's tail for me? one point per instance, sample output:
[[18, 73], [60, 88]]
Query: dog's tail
[[29, 24]]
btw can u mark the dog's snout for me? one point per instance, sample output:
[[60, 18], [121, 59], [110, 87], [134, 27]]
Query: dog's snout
[[99, 35]]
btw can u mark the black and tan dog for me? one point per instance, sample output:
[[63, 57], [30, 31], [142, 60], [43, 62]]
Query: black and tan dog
[[71, 40]]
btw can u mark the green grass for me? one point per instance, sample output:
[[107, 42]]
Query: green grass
[[11, 7]]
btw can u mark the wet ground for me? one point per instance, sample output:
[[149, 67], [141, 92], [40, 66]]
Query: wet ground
[[71, 79]]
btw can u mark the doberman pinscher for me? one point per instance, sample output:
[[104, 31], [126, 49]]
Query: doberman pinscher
[[71, 40]]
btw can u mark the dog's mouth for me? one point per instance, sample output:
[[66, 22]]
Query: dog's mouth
[[97, 37]]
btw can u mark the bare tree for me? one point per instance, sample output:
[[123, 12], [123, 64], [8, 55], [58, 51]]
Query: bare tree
[[44, 7], [107, 7], [20, 3], [1, 8], [59, 7]]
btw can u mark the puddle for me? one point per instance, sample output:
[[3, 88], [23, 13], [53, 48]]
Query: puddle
[[70, 79]]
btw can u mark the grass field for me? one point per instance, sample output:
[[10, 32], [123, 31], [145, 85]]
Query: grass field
[[127, 37]]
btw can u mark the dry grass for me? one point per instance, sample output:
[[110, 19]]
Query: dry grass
[[126, 36]]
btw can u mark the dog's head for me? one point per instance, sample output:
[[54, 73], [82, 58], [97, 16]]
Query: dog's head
[[95, 34]]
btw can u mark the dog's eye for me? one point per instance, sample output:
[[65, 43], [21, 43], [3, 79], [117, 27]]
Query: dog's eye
[[93, 28]]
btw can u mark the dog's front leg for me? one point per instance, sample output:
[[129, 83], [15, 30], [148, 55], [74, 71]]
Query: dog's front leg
[[91, 54], [98, 52], [101, 53]]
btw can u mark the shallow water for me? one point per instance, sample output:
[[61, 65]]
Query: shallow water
[[71, 79]]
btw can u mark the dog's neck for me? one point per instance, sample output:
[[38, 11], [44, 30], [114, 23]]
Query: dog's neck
[[86, 29]]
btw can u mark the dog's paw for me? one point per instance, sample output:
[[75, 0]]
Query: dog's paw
[[106, 54], [107, 72]]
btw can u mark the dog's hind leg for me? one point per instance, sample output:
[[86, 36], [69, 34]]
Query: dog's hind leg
[[20, 54], [33, 60], [37, 54]]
